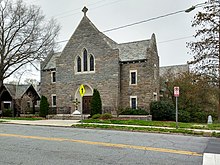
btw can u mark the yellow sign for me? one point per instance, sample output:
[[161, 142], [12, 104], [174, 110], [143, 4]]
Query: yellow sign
[[82, 90]]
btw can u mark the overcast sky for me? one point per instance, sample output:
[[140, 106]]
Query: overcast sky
[[172, 32]]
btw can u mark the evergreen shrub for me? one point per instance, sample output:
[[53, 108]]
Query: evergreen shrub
[[44, 107], [106, 116], [7, 113], [130, 111], [162, 110], [96, 103]]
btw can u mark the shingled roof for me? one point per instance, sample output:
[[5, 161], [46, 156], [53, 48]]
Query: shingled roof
[[17, 91], [50, 61], [133, 51]]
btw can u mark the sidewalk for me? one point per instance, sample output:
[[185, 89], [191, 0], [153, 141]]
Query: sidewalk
[[58, 123], [69, 123]]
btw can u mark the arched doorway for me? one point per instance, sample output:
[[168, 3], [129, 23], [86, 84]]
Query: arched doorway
[[84, 102]]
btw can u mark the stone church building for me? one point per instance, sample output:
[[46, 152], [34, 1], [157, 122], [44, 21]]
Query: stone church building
[[126, 74]]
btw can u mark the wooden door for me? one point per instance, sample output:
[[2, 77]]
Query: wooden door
[[86, 104]]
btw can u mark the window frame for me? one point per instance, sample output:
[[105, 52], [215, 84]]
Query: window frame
[[133, 97], [85, 60], [131, 78], [53, 77], [155, 96], [52, 100], [93, 63], [78, 65], [84, 54]]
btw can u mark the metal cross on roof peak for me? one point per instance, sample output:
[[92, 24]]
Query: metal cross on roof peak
[[84, 10]]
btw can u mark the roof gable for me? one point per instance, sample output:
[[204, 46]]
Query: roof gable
[[86, 31], [17, 91]]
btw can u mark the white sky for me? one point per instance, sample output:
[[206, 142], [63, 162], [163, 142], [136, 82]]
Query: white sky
[[107, 14]]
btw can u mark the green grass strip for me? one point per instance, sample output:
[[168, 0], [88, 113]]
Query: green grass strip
[[22, 118], [157, 123]]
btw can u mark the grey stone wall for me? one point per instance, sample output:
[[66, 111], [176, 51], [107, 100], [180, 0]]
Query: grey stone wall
[[110, 78], [47, 87], [147, 79], [143, 90], [106, 75]]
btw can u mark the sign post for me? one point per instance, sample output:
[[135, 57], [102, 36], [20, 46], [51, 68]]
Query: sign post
[[176, 94], [82, 91]]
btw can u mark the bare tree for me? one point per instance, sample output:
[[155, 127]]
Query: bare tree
[[25, 36]]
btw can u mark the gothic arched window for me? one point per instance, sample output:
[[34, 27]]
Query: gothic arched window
[[85, 62], [91, 61], [79, 64]]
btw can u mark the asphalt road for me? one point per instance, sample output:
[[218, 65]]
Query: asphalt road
[[38, 145]]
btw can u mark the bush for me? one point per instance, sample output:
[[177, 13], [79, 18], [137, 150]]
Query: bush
[[7, 113], [96, 116], [162, 110], [129, 111], [200, 117], [106, 116], [44, 107], [96, 103], [184, 116]]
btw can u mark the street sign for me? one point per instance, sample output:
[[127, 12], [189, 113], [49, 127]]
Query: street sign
[[82, 90], [176, 91]]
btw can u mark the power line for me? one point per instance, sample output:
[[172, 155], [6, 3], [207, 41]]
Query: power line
[[144, 21], [151, 19], [175, 39], [160, 42], [90, 8], [140, 22], [77, 9]]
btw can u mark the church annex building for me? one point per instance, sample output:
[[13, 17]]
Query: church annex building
[[126, 75]]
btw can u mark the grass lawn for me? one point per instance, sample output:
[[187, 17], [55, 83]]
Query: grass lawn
[[156, 123], [181, 130]]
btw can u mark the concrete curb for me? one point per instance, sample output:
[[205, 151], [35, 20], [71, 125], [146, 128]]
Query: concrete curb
[[69, 123], [171, 128]]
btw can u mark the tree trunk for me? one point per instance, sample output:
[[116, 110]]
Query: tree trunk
[[1, 90]]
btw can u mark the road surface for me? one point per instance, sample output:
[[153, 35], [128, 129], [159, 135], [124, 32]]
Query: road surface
[[34, 145]]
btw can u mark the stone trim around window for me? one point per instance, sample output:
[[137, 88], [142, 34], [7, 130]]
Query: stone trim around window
[[133, 77], [89, 62], [53, 76], [133, 102], [154, 96], [53, 100]]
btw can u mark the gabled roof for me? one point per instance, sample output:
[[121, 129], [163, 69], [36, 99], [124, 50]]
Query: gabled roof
[[17, 91], [132, 51]]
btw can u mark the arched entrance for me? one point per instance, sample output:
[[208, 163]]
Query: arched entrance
[[84, 105]]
